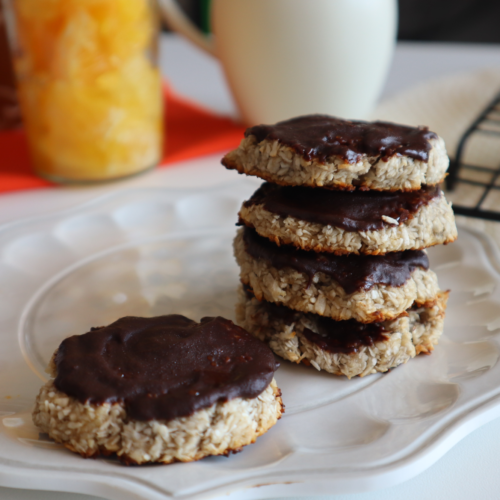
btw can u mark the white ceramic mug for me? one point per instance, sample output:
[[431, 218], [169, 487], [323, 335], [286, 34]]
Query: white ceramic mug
[[284, 58]]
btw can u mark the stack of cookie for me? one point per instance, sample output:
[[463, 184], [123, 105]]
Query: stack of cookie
[[332, 257]]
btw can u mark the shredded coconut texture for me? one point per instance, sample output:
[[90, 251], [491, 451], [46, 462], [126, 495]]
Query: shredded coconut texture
[[324, 296], [278, 163], [417, 332], [432, 224], [92, 430]]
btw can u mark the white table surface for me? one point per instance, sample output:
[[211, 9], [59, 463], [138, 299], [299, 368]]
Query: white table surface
[[470, 469]]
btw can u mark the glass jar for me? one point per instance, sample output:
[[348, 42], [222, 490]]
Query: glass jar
[[89, 85], [10, 114]]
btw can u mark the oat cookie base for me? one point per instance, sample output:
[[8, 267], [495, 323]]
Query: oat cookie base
[[92, 430], [432, 224], [278, 163], [416, 333]]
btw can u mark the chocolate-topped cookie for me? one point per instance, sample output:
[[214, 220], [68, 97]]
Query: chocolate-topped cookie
[[348, 210], [324, 151], [168, 378], [347, 347], [364, 287], [343, 222]]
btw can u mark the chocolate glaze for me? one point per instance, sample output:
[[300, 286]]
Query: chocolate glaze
[[165, 367], [322, 136], [349, 210], [345, 337], [352, 272], [333, 336]]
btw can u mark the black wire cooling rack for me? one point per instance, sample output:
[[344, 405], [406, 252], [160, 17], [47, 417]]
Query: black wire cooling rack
[[460, 171]]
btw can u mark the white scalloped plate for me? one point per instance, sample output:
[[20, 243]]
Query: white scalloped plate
[[148, 252]]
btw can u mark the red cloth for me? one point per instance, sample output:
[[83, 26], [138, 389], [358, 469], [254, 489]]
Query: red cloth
[[190, 131]]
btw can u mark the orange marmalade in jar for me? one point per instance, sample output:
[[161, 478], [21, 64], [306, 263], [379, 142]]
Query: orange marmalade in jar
[[89, 86]]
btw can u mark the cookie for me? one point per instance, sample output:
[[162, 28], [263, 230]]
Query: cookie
[[322, 151], [161, 389], [343, 222], [347, 347], [366, 288]]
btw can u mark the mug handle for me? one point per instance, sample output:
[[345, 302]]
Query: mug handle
[[176, 20]]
